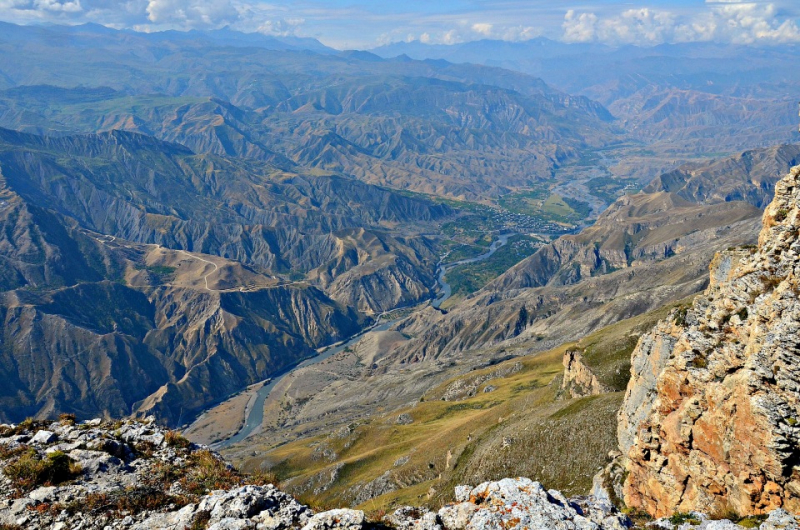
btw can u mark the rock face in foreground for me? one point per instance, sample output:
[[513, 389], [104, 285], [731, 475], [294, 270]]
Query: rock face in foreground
[[711, 419], [128, 475], [513, 504]]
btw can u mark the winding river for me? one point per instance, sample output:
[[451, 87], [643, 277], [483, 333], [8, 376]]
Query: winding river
[[255, 412]]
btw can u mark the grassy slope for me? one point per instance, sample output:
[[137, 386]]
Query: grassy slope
[[524, 426]]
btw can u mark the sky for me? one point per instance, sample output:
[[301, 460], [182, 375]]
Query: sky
[[357, 24]]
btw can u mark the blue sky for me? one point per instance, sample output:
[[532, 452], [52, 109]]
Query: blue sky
[[362, 24]]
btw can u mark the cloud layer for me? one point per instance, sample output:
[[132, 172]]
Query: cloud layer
[[730, 21], [342, 23]]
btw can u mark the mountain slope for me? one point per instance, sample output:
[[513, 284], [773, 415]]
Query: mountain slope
[[139, 277]]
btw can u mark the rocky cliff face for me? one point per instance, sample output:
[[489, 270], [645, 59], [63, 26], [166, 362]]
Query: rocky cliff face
[[710, 419]]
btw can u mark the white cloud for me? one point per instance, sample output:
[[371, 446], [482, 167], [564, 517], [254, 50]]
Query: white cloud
[[186, 14], [40, 10], [732, 21], [482, 28], [579, 27], [280, 27], [56, 5]]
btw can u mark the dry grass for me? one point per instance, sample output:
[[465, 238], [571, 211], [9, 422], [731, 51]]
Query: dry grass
[[66, 419], [175, 439], [30, 470]]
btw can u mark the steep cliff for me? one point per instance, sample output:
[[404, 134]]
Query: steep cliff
[[710, 418]]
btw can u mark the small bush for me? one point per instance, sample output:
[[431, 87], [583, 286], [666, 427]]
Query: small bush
[[206, 473], [30, 470], [145, 449], [752, 521], [263, 478], [681, 518], [7, 452], [67, 419], [175, 439], [29, 424], [699, 362], [781, 214], [131, 500]]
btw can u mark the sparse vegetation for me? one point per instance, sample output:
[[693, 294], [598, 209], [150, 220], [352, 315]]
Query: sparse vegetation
[[752, 521], [176, 439], [679, 318], [681, 518], [31, 470]]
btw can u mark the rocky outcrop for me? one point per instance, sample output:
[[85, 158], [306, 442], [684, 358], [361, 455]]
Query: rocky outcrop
[[131, 475], [710, 419], [579, 380], [519, 504]]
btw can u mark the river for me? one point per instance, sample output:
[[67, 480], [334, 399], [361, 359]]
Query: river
[[255, 416], [445, 291]]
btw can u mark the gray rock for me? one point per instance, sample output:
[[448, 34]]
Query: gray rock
[[44, 437], [457, 516], [411, 518], [780, 520], [462, 493], [232, 524], [342, 519], [404, 419], [95, 462], [524, 504], [44, 494]]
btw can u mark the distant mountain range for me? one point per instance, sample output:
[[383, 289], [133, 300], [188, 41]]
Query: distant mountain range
[[723, 96]]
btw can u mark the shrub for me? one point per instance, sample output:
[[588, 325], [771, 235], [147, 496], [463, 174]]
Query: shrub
[[781, 214], [31, 470], [145, 449], [680, 316], [132, 500], [680, 518], [7, 452], [752, 521], [67, 419], [263, 478], [175, 439], [206, 472]]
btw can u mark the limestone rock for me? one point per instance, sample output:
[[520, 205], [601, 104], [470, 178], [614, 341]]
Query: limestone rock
[[342, 519], [710, 418], [44, 437], [513, 503], [579, 380]]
